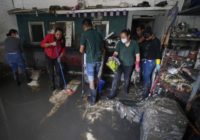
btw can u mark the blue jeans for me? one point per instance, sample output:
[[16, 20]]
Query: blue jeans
[[16, 61], [147, 70], [127, 70], [93, 70]]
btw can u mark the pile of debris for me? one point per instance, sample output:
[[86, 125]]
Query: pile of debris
[[160, 118]]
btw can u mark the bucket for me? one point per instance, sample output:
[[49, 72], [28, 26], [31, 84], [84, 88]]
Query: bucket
[[101, 85]]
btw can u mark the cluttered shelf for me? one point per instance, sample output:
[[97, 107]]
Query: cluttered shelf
[[184, 39]]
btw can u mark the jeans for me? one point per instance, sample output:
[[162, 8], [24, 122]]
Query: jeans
[[93, 70], [147, 70], [54, 73], [16, 62], [127, 70]]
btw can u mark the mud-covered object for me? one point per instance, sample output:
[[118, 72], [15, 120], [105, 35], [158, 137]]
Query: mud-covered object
[[132, 114], [162, 120]]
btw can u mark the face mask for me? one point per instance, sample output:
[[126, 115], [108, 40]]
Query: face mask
[[124, 40]]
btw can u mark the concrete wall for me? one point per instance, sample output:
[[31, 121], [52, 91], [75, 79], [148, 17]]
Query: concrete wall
[[7, 21], [42, 4]]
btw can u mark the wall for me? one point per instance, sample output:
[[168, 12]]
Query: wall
[[9, 21], [42, 4], [34, 54]]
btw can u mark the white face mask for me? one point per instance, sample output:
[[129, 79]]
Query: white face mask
[[124, 40]]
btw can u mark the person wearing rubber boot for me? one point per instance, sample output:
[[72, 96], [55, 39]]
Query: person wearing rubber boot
[[127, 51], [151, 55], [14, 55], [91, 43], [54, 45]]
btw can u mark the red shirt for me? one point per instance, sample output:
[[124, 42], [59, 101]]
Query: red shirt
[[52, 52]]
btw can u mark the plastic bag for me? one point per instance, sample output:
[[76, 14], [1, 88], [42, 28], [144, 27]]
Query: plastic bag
[[163, 120]]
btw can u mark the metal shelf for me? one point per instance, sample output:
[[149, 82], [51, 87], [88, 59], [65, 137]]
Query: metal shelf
[[194, 11], [184, 39]]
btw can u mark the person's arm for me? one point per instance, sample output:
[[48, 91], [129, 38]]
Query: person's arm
[[45, 42], [117, 49], [137, 60], [82, 44]]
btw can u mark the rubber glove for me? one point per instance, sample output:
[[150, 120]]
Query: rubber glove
[[137, 66], [158, 67]]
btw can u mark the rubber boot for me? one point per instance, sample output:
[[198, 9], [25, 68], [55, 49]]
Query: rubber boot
[[111, 95], [92, 97], [17, 78]]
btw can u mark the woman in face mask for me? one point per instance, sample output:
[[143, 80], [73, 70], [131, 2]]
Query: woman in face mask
[[127, 51]]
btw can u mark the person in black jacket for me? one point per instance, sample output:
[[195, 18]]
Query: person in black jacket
[[151, 56]]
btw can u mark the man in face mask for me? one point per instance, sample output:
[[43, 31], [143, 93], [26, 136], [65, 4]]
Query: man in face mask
[[127, 51], [151, 56]]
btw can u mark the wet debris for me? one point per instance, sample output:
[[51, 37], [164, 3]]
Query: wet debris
[[59, 97], [96, 112]]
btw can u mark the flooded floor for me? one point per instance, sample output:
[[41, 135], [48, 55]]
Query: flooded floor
[[26, 108]]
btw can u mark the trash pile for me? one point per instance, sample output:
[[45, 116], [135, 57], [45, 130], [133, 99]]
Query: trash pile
[[94, 113], [177, 73], [160, 118]]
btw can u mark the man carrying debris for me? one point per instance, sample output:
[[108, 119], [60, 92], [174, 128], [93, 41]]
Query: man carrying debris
[[53, 45], [91, 43], [127, 51], [151, 56], [13, 51]]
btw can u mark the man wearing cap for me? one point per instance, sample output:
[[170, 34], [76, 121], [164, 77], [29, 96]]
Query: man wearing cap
[[151, 56]]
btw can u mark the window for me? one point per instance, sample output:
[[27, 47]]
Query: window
[[102, 27], [36, 31], [68, 29]]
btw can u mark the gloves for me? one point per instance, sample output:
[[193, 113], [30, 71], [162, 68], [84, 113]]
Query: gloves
[[158, 67], [59, 60], [137, 66]]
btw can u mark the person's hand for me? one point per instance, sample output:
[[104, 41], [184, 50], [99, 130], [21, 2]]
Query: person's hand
[[158, 67], [59, 59], [53, 44], [137, 68], [114, 54]]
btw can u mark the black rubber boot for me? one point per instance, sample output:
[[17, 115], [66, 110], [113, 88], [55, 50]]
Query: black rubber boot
[[111, 95], [92, 97]]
